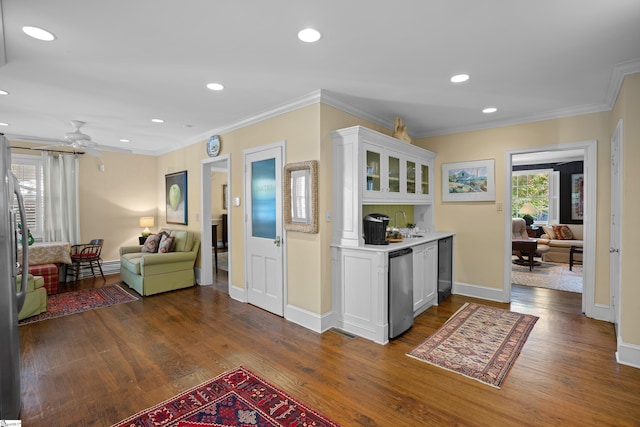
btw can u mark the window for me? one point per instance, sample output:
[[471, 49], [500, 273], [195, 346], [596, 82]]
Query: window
[[28, 170], [538, 187]]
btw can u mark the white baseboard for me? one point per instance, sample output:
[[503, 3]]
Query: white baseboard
[[601, 312], [628, 354], [313, 321], [476, 291], [238, 294]]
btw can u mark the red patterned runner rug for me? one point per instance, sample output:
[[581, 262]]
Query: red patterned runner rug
[[83, 300], [479, 342], [234, 398]]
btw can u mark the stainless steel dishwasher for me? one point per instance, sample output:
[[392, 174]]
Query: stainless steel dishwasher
[[400, 291]]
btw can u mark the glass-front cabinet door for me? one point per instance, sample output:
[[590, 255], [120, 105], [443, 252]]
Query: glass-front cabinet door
[[391, 176], [394, 174], [372, 171], [411, 178], [424, 180]]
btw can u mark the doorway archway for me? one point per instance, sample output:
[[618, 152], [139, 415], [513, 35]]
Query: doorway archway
[[221, 164], [589, 149]]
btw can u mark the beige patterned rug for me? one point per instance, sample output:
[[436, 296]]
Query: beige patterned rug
[[549, 275], [480, 342]]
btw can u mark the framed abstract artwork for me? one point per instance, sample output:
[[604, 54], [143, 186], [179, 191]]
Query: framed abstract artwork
[[468, 181], [577, 196], [176, 197]]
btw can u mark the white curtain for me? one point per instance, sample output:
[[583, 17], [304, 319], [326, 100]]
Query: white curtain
[[61, 200]]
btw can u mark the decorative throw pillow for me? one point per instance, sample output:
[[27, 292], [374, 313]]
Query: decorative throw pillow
[[548, 230], [151, 244], [166, 243], [562, 232]]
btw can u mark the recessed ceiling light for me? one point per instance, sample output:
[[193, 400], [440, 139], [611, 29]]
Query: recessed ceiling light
[[4, 124], [3, 92], [125, 140], [157, 120], [39, 33], [490, 110], [309, 35], [215, 86], [460, 78]]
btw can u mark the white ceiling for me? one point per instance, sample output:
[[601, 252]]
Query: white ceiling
[[117, 64]]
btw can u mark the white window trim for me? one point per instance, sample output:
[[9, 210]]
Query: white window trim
[[26, 159]]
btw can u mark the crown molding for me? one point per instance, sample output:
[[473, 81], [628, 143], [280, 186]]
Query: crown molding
[[617, 77], [327, 97], [331, 100], [549, 115], [301, 102], [615, 83]]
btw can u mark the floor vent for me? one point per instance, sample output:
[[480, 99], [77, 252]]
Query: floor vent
[[343, 333]]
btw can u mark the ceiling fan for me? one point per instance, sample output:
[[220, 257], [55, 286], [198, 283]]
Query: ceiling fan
[[79, 141]]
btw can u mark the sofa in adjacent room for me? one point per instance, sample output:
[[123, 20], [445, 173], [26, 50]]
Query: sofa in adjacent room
[[150, 273], [560, 241]]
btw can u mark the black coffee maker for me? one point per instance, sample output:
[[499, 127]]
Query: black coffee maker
[[375, 229]]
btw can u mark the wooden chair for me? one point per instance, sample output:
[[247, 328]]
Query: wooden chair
[[84, 256]]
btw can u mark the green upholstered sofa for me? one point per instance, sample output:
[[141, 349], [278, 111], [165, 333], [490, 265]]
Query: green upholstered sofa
[[35, 301], [152, 273]]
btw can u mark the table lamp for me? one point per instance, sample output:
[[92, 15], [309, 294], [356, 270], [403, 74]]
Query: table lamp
[[146, 222], [530, 210]]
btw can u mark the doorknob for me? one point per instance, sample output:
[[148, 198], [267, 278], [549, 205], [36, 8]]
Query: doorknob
[[277, 241]]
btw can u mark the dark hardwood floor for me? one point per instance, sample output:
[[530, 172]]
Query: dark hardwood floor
[[98, 367]]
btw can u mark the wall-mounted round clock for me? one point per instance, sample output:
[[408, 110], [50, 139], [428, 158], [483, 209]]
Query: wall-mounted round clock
[[213, 146]]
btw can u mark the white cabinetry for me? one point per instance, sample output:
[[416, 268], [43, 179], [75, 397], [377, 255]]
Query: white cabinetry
[[370, 168], [425, 276], [373, 168], [362, 298]]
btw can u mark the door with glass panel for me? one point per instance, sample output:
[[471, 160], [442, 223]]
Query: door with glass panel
[[263, 228]]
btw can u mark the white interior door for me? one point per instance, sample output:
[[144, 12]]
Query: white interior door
[[616, 231], [263, 225]]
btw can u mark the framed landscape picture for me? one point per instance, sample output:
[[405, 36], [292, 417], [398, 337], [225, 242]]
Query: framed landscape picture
[[176, 197], [468, 181]]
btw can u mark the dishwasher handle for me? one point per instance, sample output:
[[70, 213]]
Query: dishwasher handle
[[400, 252]]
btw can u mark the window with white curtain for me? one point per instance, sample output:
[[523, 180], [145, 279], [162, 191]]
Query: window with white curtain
[[28, 170]]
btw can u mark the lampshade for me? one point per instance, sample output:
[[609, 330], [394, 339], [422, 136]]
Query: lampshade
[[146, 222], [528, 209]]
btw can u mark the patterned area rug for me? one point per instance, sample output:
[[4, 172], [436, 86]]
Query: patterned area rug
[[234, 398], [549, 275], [83, 300], [479, 342]]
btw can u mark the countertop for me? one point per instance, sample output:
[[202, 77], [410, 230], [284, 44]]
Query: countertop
[[406, 243]]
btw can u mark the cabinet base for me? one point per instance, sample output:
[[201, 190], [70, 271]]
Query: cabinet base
[[443, 295]]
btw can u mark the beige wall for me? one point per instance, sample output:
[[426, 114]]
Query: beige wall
[[479, 227], [628, 108], [111, 202]]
